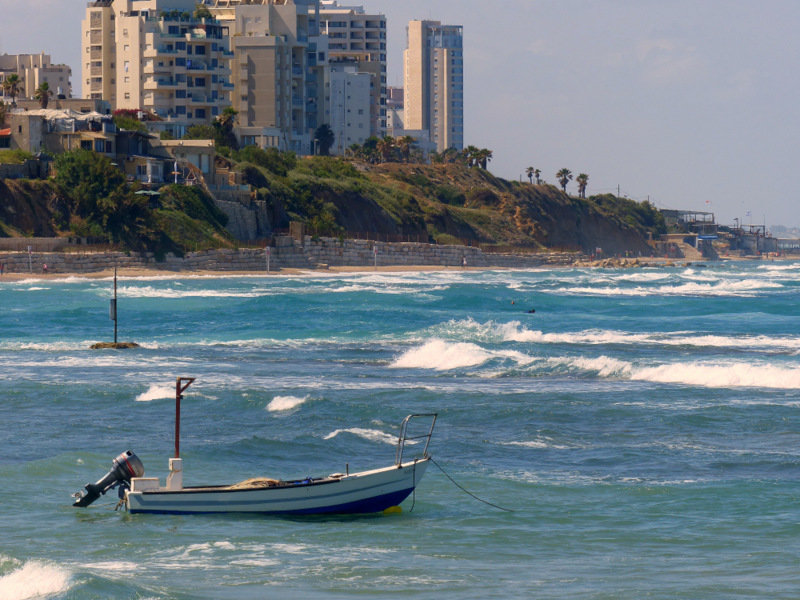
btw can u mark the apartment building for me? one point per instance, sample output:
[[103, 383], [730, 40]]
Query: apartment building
[[165, 58], [98, 52], [33, 70], [357, 37], [433, 78], [348, 110], [278, 58]]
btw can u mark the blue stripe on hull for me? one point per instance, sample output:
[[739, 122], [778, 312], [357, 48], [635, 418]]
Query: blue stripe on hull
[[367, 505]]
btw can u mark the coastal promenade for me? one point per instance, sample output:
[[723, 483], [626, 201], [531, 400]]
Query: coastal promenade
[[287, 253]]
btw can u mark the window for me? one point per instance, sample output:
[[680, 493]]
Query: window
[[199, 49], [126, 65], [86, 144], [180, 93], [200, 113], [127, 95]]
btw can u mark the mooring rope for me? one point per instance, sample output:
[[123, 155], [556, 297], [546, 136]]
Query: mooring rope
[[459, 486]]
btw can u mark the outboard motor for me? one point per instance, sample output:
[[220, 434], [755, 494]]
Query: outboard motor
[[123, 467]]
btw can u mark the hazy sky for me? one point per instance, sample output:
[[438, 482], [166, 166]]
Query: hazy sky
[[692, 103]]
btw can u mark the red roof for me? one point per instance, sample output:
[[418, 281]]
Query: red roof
[[5, 132]]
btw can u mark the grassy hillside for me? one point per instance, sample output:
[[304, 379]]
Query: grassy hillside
[[442, 203]]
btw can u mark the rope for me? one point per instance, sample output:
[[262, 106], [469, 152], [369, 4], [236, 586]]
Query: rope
[[455, 483]]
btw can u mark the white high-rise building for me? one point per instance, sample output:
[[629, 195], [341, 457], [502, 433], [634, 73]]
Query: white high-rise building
[[348, 111], [359, 38], [434, 82]]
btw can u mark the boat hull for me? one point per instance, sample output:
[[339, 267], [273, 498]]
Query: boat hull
[[364, 492]]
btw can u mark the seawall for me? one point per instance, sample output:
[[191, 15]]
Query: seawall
[[287, 253]]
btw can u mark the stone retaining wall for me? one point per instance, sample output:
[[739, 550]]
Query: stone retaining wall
[[286, 254]]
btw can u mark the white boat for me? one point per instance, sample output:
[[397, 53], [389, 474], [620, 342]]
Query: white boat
[[362, 492]]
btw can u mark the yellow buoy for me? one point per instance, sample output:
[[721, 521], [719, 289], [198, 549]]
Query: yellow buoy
[[392, 510]]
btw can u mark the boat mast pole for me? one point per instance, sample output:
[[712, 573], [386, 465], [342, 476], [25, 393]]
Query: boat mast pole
[[179, 389]]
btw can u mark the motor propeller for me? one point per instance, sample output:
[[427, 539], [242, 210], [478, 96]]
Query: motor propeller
[[123, 467]]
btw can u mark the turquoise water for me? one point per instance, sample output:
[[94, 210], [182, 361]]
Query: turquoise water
[[643, 425]]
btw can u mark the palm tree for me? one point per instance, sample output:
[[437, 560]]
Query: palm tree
[[43, 93], [384, 147], [529, 172], [2, 113], [404, 144], [537, 173], [483, 157], [11, 86], [582, 180], [563, 176], [471, 155]]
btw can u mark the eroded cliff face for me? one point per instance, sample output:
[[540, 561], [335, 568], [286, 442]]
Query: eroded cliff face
[[27, 208], [471, 204]]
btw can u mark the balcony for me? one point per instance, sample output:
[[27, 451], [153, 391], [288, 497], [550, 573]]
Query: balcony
[[160, 83]]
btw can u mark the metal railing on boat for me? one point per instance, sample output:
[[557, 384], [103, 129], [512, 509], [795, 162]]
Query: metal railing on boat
[[410, 436]]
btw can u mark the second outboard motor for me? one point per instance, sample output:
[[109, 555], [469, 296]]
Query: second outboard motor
[[123, 467]]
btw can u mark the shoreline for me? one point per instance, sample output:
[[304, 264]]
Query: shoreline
[[156, 273]]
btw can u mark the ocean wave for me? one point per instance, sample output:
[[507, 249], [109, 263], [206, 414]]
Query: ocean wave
[[156, 392], [441, 355], [284, 403], [35, 580], [710, 375], [373, 435], [469, 330], [741, 288]]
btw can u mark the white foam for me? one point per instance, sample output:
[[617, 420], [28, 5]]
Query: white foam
[[281, 403], [712, 375], [156, 392], [373, 435], [440, 355], [34, 580], [717, 375]]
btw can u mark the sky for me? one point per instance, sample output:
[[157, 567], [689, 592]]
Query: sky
[[690, 104]]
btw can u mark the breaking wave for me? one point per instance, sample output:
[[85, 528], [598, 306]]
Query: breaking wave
[[373, 435], [34, 580], [156, 392], [283, 403]]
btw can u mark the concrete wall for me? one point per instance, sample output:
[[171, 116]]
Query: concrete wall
[[286, 254]]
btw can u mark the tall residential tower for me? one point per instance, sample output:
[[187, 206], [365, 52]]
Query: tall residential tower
[[434, 82]]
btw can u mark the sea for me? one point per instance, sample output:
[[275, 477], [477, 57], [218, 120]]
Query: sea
[[637, 436]]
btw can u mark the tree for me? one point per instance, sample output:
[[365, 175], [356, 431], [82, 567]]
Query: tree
[[537, 173], [564, 176], [385, 147], [202, 12], [43, 94], [325, 136], [223, 128], [11, 86], [530, 172], [582, 180], [3, 108], [404, 144], [483, 157]]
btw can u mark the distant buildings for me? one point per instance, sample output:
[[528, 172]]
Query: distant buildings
[[33, 70], [164, 58], [358, 38], [433, 78], [286, 66]]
